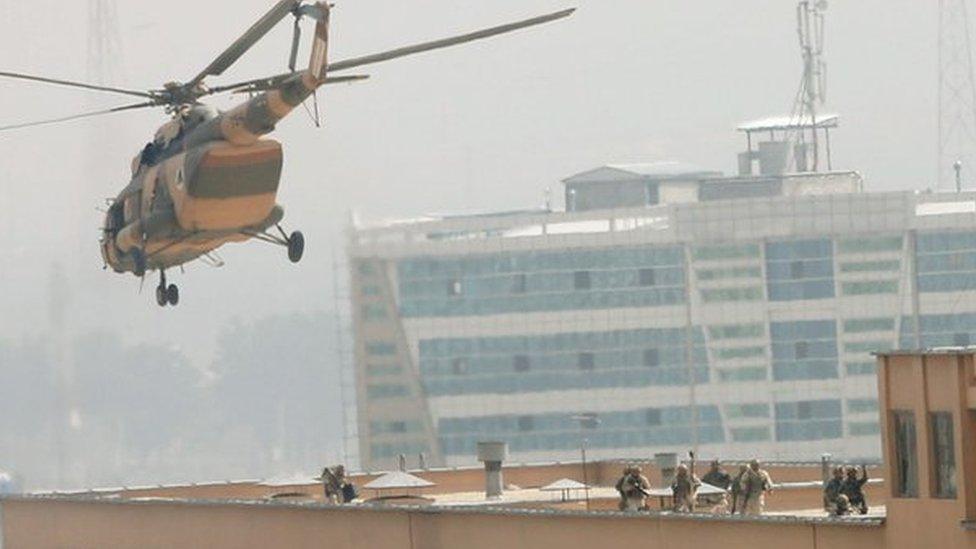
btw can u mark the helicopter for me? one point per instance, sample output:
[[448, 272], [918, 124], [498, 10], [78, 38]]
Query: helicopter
[[208, 178]]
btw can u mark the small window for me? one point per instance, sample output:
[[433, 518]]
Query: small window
[[589, 420], [801, 350], [366, 269], [519, 283], [459, 366], [652, 358], [521, 363], [943, 455], [398, 427], [581, 280], [956, 261], [960, 340], [646, 277], [804, 410], [454, 288], [652, 417], [796, 270], [526, 423], [586, 361], [906, 462]]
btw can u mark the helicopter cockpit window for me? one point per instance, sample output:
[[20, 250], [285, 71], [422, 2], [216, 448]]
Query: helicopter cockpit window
[[116, 218]]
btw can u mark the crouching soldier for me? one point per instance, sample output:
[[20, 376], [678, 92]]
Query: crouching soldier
[[633, 488], [832, 490]]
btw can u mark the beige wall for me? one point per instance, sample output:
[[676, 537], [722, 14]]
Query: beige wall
[[936, 382], [89, 524]]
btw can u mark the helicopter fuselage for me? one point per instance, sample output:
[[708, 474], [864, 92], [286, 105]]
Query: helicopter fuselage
[[192, 201], [206, 179]]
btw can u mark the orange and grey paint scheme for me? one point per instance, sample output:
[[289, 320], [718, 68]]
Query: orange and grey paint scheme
[[209, 178]]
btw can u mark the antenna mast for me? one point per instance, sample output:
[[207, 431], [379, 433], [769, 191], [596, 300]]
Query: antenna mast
[[103, 40], [957, 94], [813, 85]]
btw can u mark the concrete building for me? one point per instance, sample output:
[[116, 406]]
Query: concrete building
[[734, 315]]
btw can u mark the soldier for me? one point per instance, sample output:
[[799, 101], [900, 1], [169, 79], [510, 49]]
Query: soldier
[[333, 481], [633, 488], [832, 490], [718, 478], [755, 484], [736, 489], [684, 490], [842, 506], [853, 488]]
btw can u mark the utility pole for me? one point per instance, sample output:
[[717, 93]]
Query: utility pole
[[586, 421], [957, 92]]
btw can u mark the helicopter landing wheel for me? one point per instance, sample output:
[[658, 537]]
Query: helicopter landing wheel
[[172, 295], [296, 246], [139, 262], [161, 297]]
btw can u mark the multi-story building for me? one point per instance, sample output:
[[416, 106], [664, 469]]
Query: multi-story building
[[669, 308]]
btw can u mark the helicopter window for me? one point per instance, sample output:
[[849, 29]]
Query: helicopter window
[[116, 219]]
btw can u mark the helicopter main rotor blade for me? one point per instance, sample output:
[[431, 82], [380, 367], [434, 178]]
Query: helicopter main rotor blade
[[78, 116], [72, 84], [272, 82], [246, 41], [447, 42]]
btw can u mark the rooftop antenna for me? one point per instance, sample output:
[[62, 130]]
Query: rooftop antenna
[[957, 93], [813, 85]]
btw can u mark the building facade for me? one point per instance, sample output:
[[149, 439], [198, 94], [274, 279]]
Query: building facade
[[738, 326]]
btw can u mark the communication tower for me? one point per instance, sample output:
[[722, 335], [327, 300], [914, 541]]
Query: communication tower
[[813, 85], [957, 95]]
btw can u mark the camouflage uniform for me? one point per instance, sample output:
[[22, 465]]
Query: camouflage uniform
[[720, 479], [633, 487], [753, 486], [832, 490], [736, 490], [332, 482], [853, 488], [684, 490]]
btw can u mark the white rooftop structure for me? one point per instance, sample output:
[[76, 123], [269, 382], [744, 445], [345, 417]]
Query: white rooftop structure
[[789, 123], [563, 484], [659, 170], [397, 480]]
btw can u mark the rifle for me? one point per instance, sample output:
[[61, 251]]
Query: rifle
[[635, 485]]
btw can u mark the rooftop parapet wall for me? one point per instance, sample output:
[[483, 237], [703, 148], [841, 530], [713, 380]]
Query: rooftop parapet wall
[[83, 523]]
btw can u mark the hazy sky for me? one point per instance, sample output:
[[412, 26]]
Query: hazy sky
[[488, 125]]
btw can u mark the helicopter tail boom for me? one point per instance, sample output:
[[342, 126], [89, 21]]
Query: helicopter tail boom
[[247, 122]]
